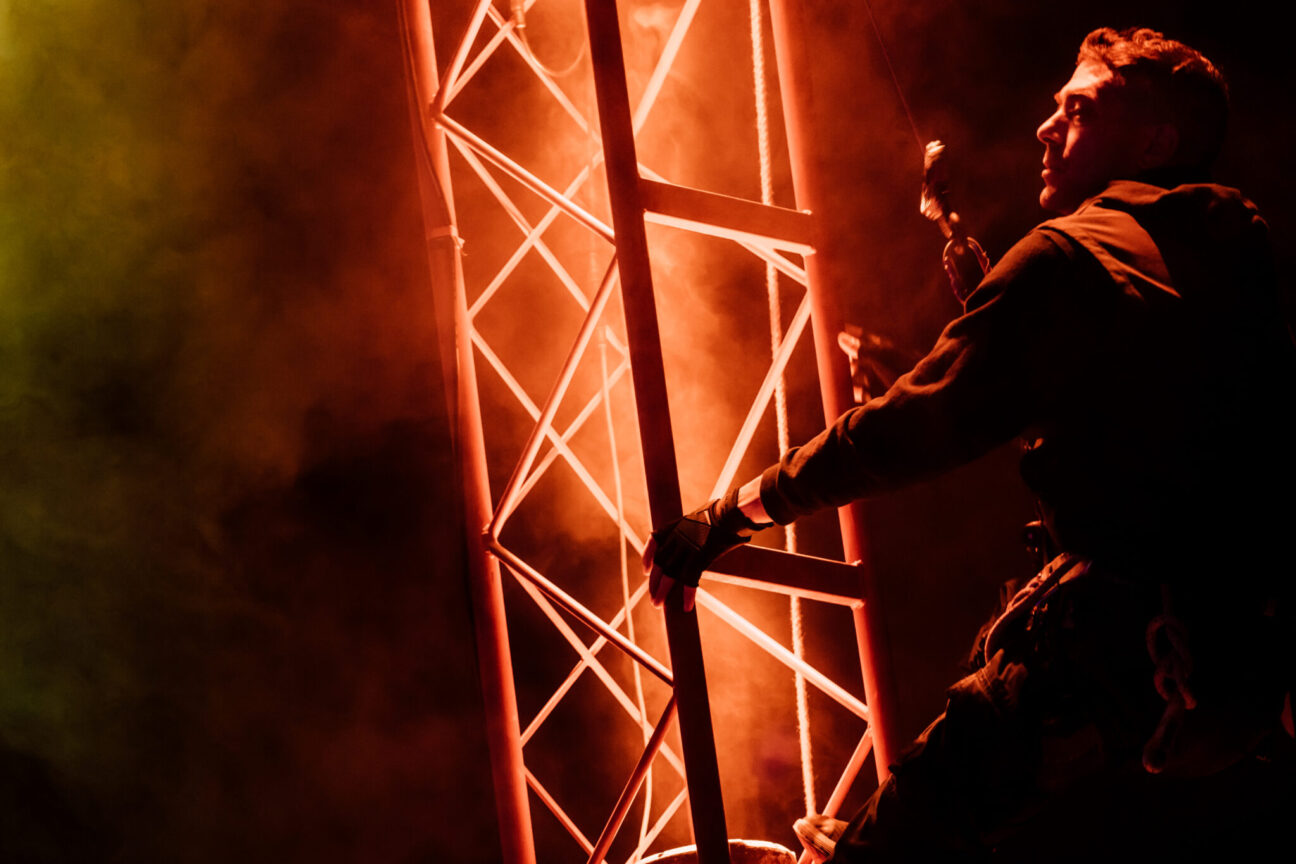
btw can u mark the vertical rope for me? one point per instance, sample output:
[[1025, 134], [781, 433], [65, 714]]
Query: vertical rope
[[895, 79], [625, 580], [780, 389]]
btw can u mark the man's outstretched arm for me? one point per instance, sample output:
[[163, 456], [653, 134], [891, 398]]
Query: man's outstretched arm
[[977, 388]]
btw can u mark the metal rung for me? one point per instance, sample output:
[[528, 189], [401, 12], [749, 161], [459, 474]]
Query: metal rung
[[790, 573], [725, 216]]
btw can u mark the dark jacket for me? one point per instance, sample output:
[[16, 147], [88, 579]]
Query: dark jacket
[[1137, 345]]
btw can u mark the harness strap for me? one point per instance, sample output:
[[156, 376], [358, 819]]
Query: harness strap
[[1063, 568], [1167, 645]]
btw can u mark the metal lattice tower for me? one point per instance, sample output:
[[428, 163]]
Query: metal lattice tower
[[781, 237]]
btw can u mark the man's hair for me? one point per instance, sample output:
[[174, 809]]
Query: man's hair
[[1168, 82]]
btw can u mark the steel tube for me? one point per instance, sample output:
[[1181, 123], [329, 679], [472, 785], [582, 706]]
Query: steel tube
[[533, 235], [853, 766], [469, 71], [667, 59], [662, 473], [545, 80], [792, 573], [576, 608], [631, 789], [559, 444], [544, 425], [600, 671], [668, 812], [567, 434], [582, 664], [792, 45], [726, 216], [761, 402], [773, 258], [523, 176], [844, 783], [531, 238], [494, 659], [826, 685], [442, 93], [766, 253], [559, 813]]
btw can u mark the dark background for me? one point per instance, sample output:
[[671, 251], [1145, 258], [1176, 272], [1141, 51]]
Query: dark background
[[233, 616]]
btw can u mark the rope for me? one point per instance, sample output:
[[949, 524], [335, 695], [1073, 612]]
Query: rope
[[780, 389], [895, 80], [625, 580]]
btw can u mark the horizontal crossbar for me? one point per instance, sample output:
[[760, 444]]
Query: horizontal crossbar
[[791, 573], [725, 216]]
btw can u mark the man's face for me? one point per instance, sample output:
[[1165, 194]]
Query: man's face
[[1089, 140]]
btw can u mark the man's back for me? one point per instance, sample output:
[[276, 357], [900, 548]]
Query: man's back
[[1167, 430]]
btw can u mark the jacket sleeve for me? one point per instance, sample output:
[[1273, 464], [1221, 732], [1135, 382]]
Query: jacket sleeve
[[981, 384]]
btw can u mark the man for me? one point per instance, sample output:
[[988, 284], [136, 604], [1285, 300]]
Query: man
[[1136, 344]]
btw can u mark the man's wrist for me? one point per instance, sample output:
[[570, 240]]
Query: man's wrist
[[749, 502]]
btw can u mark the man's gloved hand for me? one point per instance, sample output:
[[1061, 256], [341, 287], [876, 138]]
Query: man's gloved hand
[[687, 546]]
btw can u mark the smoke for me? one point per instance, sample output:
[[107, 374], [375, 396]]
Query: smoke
[[232, 615], [234, 618]]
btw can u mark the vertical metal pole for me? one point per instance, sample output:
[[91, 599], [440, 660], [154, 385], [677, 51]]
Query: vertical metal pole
[[493, 657], [697, 736], [792, 44]]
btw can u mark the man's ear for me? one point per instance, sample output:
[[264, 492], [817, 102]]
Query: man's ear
[[1160, 143]]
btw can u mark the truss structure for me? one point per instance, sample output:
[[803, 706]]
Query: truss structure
[[781, 238]]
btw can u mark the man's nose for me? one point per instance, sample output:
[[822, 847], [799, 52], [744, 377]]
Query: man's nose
[[1050, 131]]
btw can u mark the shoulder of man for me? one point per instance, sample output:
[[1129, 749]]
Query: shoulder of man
[[1130, 230], [1199, 237], [1111, 227]]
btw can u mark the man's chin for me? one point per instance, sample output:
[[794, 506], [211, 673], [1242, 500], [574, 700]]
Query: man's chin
[[1054, 201]]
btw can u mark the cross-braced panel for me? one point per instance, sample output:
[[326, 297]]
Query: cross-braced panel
[[570, 519]]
